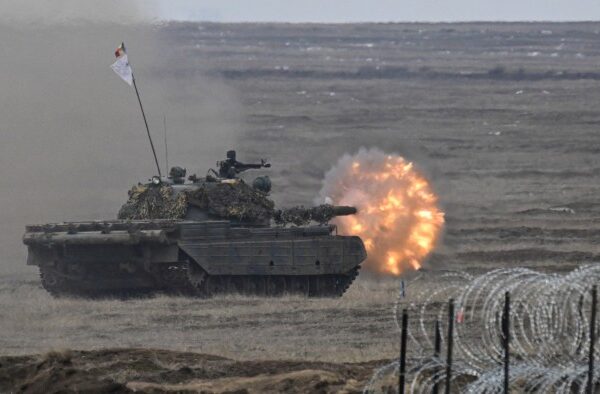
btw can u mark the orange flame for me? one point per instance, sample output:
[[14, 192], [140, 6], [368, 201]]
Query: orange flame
[[398, 218]]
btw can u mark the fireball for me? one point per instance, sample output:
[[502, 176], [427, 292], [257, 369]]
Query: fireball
[[398, 216]]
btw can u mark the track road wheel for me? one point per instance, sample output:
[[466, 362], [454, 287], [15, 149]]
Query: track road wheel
[[53, 282], [197, 278], [236, 285], [215, 285], [276, 286], [298, 285], [254, 286], [321, 286]]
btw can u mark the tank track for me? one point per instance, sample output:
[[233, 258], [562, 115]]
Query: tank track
[[275, 285], [59, 285], [183, 280]]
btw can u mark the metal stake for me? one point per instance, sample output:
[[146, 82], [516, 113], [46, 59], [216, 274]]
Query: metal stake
[[506, 339], [402, 370], [450, 340], [590, 382], [436, 351]]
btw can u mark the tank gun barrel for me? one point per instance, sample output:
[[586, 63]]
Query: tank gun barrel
[[320, 214], [344, 210]]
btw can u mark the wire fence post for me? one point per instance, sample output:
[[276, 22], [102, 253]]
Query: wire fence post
[[450, 343], [402, 366], [590, 382], [436, 351], [506, 340]]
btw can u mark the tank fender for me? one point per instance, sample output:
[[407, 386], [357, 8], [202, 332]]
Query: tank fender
[[95, 237], [40, 255]]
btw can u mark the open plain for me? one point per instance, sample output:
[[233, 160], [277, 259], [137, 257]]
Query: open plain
[[502, 118]]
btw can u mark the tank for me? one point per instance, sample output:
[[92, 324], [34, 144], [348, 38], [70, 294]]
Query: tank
[[199, 236]]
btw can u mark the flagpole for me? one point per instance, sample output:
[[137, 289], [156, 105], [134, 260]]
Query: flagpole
[[123, 69], [137, 93], [166, 146]]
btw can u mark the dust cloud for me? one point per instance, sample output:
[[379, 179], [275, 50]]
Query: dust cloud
[[49, 12], [72, 140]]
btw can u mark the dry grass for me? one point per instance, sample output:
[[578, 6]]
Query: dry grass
[[357, 327], [61, 355]]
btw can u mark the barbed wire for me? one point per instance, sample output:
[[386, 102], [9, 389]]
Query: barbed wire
[[549, 323]]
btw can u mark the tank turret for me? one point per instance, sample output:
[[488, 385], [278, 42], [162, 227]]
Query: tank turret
[[207, 198], [220, 197]]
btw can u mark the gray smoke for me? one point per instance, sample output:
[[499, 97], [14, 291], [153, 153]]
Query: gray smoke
[[46, 12], [72, 140]]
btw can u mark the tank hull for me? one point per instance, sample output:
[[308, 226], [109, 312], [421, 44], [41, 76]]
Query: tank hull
[[200, 258]]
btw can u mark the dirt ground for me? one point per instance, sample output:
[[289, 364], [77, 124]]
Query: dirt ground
[[502, 118], [161, 371]]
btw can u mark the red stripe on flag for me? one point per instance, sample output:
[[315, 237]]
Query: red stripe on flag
[[120, 50]]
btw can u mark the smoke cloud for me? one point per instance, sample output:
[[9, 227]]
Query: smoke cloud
[[48, 12]]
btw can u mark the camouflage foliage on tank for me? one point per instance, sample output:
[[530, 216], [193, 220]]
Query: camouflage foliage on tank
[[235, 200], [232, 200], [153, 202]]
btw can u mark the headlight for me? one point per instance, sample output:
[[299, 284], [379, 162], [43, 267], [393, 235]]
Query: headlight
[[156, 180]]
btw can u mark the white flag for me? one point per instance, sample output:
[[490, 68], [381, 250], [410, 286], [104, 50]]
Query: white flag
[[123, 69]]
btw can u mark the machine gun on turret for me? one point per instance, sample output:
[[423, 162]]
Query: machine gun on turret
[[230, 167]]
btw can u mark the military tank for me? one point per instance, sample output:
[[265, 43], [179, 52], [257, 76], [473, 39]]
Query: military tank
[[199, 236]]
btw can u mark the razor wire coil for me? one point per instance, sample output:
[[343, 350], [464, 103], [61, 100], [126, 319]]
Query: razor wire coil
[[549, 323]]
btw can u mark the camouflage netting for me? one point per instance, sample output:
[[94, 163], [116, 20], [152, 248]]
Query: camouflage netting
[[152, 202], [236, 201], [233, 201]]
